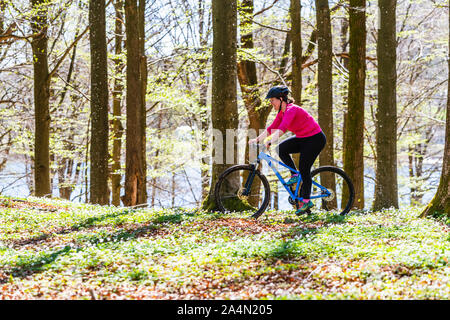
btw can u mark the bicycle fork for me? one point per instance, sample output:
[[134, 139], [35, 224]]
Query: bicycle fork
[[249, 181]]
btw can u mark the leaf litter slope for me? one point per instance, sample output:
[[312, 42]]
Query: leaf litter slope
[[54, 249]]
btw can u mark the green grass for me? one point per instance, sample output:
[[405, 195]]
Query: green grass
[[54, 249]]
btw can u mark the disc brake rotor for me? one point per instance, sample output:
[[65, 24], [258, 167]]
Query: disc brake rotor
[[330, 197], [240, 194]]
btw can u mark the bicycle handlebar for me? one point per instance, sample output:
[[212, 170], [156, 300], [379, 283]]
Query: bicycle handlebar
[[259, 145]]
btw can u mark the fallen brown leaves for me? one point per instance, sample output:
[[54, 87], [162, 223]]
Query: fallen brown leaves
[[23, 204], [240, 226]]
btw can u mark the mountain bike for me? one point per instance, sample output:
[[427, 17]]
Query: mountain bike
[[243, 188]]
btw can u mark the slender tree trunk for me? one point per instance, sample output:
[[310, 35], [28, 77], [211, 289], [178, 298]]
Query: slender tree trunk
[[412, 177], [296, 38], [99, 104], [134, 173], [3, 5], [224, 113], [285, 56], [65, 166], [86, 161], [143, 74], [275, 196], [353, 148], [173, 189], [41, 99], [154, 181], [29, 167], [204, 123], [386, 189], [344, 40], [116, 174], [441, 201], [416, 156], [345, 62], [325, 88], [66, 163]]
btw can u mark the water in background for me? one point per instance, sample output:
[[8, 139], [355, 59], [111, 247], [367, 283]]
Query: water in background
[[14, 183]]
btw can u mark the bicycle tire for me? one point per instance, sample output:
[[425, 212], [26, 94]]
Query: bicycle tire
[[343, 208], [236, 172]]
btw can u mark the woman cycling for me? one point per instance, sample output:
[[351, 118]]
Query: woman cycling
[[309, 140]]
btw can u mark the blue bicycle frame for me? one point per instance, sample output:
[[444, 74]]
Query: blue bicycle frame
[[270, 161]]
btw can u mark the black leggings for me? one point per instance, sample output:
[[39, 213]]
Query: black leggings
[[309, 148]]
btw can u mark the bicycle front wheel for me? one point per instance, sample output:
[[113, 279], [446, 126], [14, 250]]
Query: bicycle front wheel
[[335, 190], [242, 188]]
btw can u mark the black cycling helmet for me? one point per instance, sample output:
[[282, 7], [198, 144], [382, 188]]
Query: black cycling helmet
[[280, 92]]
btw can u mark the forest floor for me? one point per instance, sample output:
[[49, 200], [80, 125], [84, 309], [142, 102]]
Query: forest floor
[[55, 249]]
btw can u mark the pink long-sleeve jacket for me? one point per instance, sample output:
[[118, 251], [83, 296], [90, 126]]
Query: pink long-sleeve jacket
[[296, 120]]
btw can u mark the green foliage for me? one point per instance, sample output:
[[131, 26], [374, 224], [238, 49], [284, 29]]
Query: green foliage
[[178, 60], [48, 246]]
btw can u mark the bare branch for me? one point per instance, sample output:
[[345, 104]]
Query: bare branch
[[60, 61], [265, 9]]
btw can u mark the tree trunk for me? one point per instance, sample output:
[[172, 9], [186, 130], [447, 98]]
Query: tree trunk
[[224, 113], [441, 201], [41, 99], [353, 148], [386, 189], [275, 193], [296, 38], [154, 180], [416, 156], [3, 5], [412, 177], [143, 74], [116, 174], [248, 81], [203, 92], [173, 191], [66, 163], [134, 173], [247, 75], [325, 88], [99, 104]]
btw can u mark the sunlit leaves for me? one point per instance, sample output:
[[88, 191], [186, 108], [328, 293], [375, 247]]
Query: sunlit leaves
[[55, 249]]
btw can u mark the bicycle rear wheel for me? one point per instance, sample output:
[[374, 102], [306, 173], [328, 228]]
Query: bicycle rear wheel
[[339, 187], [242, 188]]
